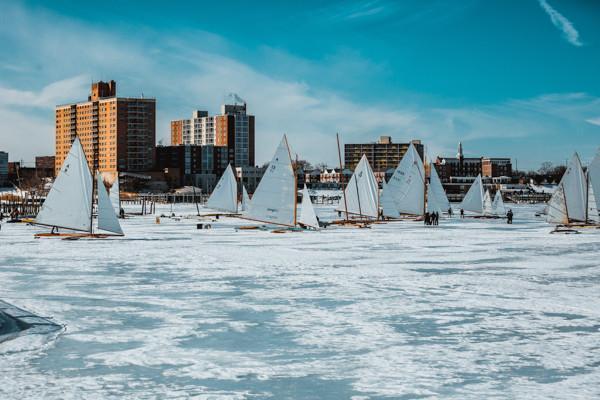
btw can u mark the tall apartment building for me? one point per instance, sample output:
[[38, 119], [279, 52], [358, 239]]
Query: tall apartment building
[[233, 128], [117, 133], [382, 155], [3, 168]]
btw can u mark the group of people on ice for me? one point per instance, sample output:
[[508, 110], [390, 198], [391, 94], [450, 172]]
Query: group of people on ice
[[432, 218]]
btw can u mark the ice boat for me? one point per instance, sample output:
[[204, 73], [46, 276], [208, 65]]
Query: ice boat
[[69, 204], [498, 208], [574, 202], [275, 200], [437, 201], [407, 185], [361, 195], [308, 217], [225, 196], [245, 199], [474, 199]]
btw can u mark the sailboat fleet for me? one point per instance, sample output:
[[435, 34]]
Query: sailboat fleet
[[408, 194]]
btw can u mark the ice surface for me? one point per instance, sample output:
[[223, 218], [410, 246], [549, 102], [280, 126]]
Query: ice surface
[[471, 309]]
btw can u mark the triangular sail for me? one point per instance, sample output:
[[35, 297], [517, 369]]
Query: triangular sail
[[594, 177], [362, 192], [245, 199], [592, 208], [498, 205], [387, 202], [407, 184], [307, 211], [274, 200], [432, 203], [115, 196], [69, 202], [487, 203], [107, 218], [224, 196], [473, 200], [436, 194], [574, 184], [557, 207]]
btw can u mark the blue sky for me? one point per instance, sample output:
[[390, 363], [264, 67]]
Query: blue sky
[[508, 78]]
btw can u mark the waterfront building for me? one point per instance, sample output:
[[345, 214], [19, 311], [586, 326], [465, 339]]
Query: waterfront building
[[382, 155], [190, 164], [44, 166], [117, 133], [461, 166]]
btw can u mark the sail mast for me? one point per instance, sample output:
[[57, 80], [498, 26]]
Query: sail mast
[[294, 165], [337, 135]]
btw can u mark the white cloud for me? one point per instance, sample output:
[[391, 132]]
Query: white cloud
[[562, 23]]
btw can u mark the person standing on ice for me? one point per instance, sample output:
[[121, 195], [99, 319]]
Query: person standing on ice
[[509, 217], [450, 212], [462, 213], [426, 218]]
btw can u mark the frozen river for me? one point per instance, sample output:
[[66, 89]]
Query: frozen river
[[471, 309]]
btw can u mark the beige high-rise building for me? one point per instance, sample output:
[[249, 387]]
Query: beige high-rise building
[[117, 133]]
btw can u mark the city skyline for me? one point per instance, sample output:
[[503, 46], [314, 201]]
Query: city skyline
[[510, 79]]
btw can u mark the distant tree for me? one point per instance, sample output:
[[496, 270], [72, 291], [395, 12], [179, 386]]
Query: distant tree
[[305, 165], [321, 166], [546, 168]]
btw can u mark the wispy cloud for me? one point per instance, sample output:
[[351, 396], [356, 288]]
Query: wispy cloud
[[594, 121], [562, 23]]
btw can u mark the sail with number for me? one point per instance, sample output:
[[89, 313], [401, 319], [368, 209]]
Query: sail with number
[[69, 202], [307, 212], [437, 201], [224, 196], [115, 195], [245, 199], [107, 218], [498, 205], [362, 192], [473, 200], [387, 202], [274, 200], [407, 184]]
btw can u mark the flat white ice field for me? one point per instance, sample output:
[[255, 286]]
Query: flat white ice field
[[472, 309]]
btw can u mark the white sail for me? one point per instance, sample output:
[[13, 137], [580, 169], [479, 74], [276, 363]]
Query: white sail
[[407, 184], [436, 194], [307, 211], [574, 185], [498, 205], [487, 203], [245, 199], [592, 208], [115, 196], [387, 202], [557, 207], [107, 219], [69, 202], [594, 177], [274, 200], [432, 203], [473, 200], [362, 192], [224, 196]]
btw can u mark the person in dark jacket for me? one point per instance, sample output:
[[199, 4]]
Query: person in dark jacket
[[462, 213], [450, 212], [509, 217]]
